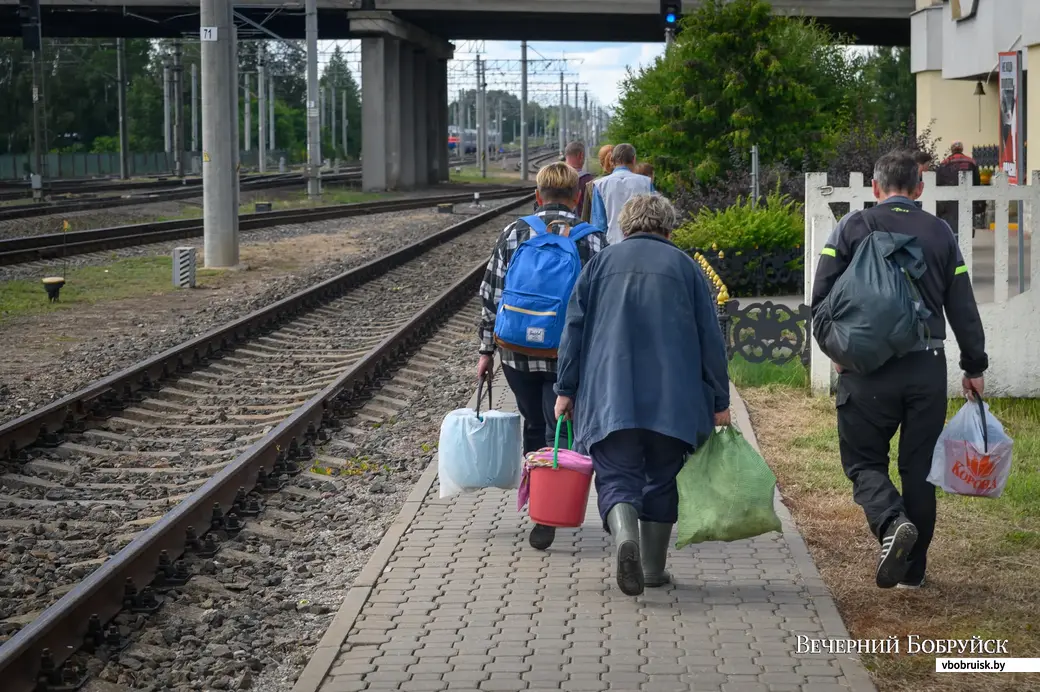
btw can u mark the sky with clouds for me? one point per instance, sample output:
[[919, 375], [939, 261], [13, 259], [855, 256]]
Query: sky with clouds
[[602, 65], [598, 67]]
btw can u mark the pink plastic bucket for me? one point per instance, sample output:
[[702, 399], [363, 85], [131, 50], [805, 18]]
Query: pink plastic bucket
[[559, 494]]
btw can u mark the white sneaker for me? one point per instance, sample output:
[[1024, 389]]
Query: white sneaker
[[906, 585]]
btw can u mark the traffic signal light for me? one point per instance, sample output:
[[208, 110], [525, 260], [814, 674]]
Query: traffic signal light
[[29, 19], [671, 12]]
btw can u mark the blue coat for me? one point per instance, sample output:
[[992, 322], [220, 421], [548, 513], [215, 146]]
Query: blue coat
[[642, 346]]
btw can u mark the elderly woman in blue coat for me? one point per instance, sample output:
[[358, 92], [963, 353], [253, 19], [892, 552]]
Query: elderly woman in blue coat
[[643, 372]]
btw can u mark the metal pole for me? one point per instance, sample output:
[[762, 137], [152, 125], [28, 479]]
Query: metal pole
[[166, 110], [220, 240], [270, 112], [313, 111], [261, 92], [669, 37], [178, 111], [194, 107], [247, 114], [523, 111], [754, 176], [332, 118], [344, 121], [236, 158], [124, 167], [37, 144], [559, 125], [576, 115], [481, 122]]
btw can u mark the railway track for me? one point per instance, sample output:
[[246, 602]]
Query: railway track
[[171, 193], [49, 246], [109, 487]]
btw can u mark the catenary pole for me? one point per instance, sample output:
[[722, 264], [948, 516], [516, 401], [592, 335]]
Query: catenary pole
[[220, 241], [124, 148], [523, 111], [261, 120], [178, 110], [313, 107]]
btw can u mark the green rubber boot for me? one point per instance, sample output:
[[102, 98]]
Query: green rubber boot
[[653, 548], [623, 521]]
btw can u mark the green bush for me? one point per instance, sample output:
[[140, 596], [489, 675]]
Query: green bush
[[776, 225]]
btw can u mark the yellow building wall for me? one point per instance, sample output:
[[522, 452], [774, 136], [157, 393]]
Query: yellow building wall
[[950, 108]]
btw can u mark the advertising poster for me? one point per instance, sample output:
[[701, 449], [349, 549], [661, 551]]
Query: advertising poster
[[1010, 100]]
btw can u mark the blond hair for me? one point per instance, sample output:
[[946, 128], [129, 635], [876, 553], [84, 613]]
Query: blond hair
[[557, 182], [606, 153]]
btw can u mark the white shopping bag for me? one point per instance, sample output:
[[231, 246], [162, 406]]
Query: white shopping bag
[[973, 454], [479, 450]]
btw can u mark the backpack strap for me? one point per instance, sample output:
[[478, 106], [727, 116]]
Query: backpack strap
[[535, 222], [581, 230]]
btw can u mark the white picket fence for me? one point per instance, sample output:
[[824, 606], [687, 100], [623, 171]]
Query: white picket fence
[[1012, 322]]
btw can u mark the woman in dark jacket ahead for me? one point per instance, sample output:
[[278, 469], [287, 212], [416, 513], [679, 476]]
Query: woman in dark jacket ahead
[[643, 371]]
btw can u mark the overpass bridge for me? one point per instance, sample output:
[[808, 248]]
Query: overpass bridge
[[870, 22], [405, 49]]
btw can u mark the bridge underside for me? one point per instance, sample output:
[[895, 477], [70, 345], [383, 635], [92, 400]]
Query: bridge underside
[[177, 19]]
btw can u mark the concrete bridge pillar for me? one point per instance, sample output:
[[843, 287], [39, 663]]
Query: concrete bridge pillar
[[404, 124]]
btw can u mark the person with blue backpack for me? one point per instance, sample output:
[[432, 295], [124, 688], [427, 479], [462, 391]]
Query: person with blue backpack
[[524, 296]]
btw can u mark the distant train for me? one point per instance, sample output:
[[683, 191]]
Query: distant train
[[469, 140]]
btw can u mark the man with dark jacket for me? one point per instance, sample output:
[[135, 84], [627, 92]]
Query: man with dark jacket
[[949, 175], [907, 393]]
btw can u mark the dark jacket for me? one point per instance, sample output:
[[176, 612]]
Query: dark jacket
[[642, 346], [944, 287], [583, 183]]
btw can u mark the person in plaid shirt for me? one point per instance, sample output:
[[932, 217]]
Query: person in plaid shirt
[[532, 379]]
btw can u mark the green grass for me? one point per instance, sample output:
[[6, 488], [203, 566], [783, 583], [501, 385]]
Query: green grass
[[127, 278], [296, 201], [746, 374], [984, 565], [471, 174]]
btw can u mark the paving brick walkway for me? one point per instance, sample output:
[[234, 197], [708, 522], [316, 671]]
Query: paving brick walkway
[[455, 599]]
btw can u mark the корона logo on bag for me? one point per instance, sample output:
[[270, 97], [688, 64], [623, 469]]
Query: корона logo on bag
[[976, 470]]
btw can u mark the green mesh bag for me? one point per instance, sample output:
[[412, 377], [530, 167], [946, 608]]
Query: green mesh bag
[[725, 492]]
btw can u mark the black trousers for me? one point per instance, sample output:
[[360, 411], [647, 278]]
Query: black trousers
[[536, 400], [906, 394]]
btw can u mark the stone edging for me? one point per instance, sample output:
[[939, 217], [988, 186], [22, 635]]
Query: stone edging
[[833, 626]]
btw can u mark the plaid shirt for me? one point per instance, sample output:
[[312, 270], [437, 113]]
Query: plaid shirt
[[495, 280]]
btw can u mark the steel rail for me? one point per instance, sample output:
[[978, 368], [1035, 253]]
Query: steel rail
[[53, 245], [25, 211], [60, 629]]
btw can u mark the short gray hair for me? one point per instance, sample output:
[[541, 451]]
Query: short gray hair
[[624, 154], [648, 214], [897, 171], [574, 149]]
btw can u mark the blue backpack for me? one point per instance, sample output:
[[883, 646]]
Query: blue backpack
[[538, 285]]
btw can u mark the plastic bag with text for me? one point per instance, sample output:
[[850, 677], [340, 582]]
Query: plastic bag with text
[[973, 454]]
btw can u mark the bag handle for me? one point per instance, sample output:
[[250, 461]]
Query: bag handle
[[556, 445], [480, 394], [982, 416]]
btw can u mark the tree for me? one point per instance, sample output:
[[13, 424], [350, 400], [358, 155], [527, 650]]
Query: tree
[[891, 85], [737, 76], [337, 74]]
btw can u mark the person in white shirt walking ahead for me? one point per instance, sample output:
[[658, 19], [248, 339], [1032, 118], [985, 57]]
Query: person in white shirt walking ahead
[[610, 193]]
